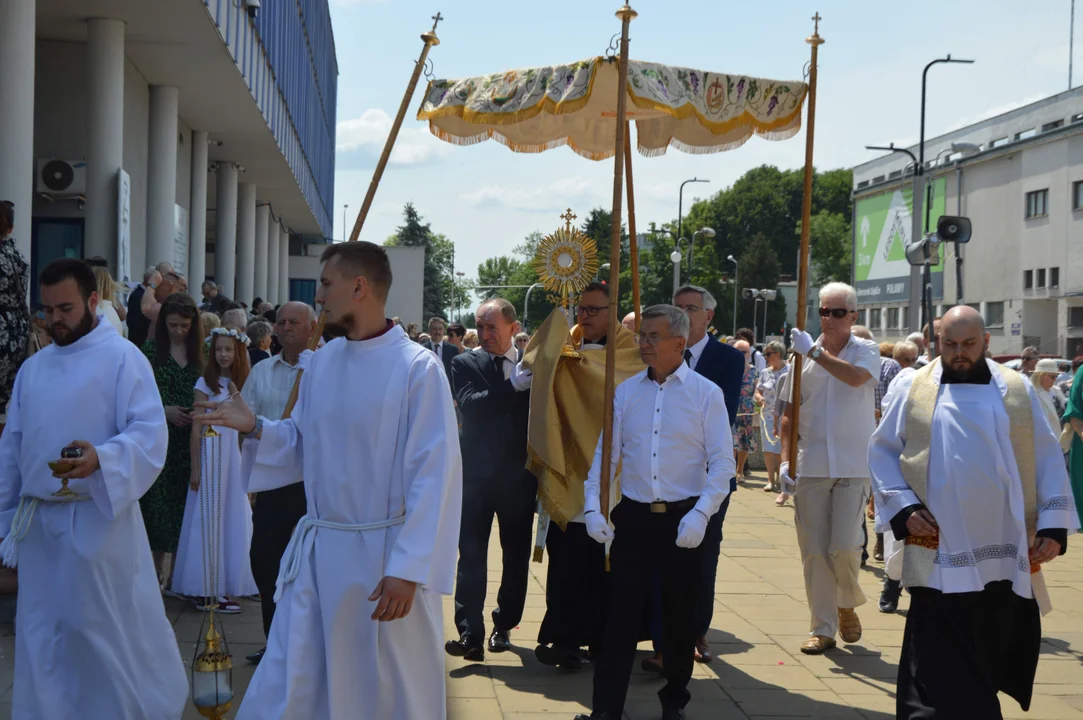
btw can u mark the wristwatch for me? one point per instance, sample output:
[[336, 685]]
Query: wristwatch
[[257, 430], [816, 352]]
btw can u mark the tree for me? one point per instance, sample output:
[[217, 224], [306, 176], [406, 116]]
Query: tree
[[831, 247], [759, 269], [437, 280]]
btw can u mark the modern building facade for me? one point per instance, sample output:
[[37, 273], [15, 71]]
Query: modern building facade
[[1019, 178], [199, 132]]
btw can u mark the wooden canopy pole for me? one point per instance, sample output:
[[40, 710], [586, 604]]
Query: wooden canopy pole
[[802, 273], [626, 14], [633, 248], [430, 40]]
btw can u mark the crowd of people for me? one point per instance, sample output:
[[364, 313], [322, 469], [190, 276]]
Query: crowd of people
[[359, 483]]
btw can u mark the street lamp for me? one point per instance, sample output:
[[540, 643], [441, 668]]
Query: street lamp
[[526, 302], [459, 295], [680, 207], [345, 235], [735, 290], [707, 232], [675, 258]]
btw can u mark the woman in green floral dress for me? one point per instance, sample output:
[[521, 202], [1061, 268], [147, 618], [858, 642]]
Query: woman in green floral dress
[[176, 354]]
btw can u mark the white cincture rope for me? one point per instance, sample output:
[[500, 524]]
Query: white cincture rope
[[291, 559], [20, 526]]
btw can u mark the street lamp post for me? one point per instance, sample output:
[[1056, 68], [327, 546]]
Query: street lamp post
[[345, 233], [459, 295], [736, 289], [680, 208], [915, 231], [675, 258], [526, 303], [707, 232]]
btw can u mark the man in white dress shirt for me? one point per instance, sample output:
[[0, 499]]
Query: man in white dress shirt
[[672, 437], [838, 416], [969, 473], [276, 512]]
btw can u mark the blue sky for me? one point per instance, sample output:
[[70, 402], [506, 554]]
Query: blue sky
[[486, 198]]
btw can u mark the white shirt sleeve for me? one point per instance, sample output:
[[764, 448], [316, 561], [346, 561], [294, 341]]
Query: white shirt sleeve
[[868, 358], [593, 485], [720, 461]]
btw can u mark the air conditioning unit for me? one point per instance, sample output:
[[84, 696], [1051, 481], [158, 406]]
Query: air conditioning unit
[[61, 177]]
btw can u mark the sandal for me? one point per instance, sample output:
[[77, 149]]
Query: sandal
[[849, 625], [817, 645]]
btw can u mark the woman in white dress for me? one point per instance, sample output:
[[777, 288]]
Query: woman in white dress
[[767, 397], [226, 371]]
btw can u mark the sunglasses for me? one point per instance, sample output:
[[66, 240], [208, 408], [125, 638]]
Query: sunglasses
[[837, 313]]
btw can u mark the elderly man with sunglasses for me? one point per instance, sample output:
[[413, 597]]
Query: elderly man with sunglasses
[[837, 419]]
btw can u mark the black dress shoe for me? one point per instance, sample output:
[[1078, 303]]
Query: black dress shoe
[[673, 715], [889, 597], [465, 647], [596, 716], [499, 641], [559, 656], [255, 657]]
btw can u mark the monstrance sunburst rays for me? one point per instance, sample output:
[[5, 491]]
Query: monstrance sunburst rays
[[566, 261]]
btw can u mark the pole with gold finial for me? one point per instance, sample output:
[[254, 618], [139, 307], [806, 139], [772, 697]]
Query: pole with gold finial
[[626, 15], [802, 272], [430, 40]]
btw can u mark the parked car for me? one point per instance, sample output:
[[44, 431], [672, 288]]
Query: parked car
[[1065, 366]]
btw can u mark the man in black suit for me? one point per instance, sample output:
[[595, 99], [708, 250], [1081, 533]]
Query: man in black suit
[[138, 323], [495, 481], [443, 349], [723, 365]]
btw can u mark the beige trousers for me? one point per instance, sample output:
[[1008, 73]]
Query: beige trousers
[[829, 513]]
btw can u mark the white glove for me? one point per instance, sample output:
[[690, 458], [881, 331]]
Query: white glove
[[789, 484], [691, 530], [801, 341], [598, 528], [521, 378]]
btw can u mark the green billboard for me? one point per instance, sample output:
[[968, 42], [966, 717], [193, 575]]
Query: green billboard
[[882, 227]]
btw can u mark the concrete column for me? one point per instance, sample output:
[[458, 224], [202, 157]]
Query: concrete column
[[272, 264], [197, 215], [283, 266], [162, 174], [263, 217], [17, 29], [105, 136], [246, 242], [225, 229]]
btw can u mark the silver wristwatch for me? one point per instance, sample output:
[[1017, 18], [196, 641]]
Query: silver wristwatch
[[257, 431], [815, 352]]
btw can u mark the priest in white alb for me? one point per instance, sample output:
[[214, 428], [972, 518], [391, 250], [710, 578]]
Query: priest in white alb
[[968, 472], [358, 626], [92, 639]]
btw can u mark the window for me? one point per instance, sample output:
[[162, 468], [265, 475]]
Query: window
[[860, 317], [1077, 195], [1041, 278], [1052, 125], [1028, 279], [975, 306], [905, 317], [874, 319], [303, 290], [1075, 317], [1026, 134], [994, 314], [892, 318], [1054, 277], [1037, 203]]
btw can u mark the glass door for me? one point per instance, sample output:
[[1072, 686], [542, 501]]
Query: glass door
[[52, 239]]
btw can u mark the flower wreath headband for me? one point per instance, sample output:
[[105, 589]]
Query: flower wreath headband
[[229, 332]]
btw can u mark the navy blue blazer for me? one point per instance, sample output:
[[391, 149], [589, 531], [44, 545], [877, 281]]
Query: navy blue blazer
[[724, 365]]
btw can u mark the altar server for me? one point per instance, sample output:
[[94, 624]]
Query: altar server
[[217, 507], [972, 477], [358, 623], [91, 636]]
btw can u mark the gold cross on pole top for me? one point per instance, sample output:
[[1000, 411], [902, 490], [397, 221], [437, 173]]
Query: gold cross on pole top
[[816, 19], [436, 20], [567, 218]]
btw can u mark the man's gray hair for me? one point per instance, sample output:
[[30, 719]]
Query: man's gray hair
[[835, 288], [862, 332], [437, 319], [506, 308], [148, 274], [708, 299], [309, 310], [236, 318], [257, 330], [164, 267], [675, 317]]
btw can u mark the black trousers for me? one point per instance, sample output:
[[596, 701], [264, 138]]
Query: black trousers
[[644, 544], [273, 518], [960, 649], [576, 593], [712, 548], [510, 497]]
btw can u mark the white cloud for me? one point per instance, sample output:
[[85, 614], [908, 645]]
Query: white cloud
[[556, 195], [367, 134]]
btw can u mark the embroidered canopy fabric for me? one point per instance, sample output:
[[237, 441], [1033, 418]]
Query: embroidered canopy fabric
[[541, 108]]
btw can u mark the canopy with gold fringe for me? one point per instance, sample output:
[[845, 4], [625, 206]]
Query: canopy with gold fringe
[[537, 109], [565, 412]]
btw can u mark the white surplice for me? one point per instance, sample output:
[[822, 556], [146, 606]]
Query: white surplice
[[375, 430], [221, 497], [973, 491], [92, 639]]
